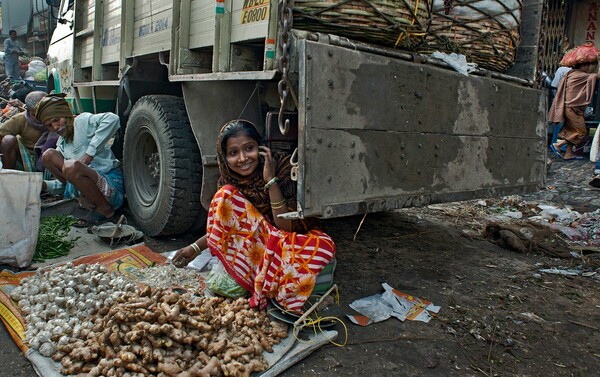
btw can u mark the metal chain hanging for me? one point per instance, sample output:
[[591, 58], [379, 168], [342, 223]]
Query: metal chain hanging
[[286, 19]]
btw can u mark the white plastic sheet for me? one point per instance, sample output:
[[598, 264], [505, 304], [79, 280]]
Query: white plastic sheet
[[507, 12], [20, 209]]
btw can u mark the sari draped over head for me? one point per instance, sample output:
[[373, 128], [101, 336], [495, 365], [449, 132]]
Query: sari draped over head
[[252, 186], [268, 262]]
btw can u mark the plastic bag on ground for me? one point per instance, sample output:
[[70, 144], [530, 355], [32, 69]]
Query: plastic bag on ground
[[221, 283]]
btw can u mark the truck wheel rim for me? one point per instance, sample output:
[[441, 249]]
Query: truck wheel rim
[[148, 165]]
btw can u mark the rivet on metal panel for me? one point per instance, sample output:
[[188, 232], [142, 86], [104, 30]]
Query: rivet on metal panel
[[308, 106], [328, 211], [328, 116], [308, 56], [330, 53], [330, 83], [420, 145], [329, 145], [353, 144], [402, 156], [418, 172], [329, 179], [352, 155], [436, 154], [437, 146], [320, 140], [402, 146], [307, 188]]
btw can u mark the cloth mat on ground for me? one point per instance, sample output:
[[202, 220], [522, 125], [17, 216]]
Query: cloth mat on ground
[[128, 261], [125, 261]]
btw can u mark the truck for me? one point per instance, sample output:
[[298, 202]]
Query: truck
[[370, 128]]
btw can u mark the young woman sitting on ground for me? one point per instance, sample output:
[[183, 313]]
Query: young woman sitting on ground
[[269, 256]]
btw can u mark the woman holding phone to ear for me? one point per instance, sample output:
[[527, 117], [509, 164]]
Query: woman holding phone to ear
[[269, 256]]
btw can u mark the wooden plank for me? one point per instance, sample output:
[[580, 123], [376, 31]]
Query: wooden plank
[[202, 23], [127, 17], [111, 32], [153, 22], [222, 46], [97, 43]]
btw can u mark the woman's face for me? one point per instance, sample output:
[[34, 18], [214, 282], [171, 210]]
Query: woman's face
[[57, 125], [241, 153]]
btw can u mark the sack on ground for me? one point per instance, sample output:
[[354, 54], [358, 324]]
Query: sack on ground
[[20, 193]]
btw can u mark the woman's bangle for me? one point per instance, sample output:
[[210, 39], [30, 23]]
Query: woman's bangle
[[271, 182], [195, 247], [278, 205]]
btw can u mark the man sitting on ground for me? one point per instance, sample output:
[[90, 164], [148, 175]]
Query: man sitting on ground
[[19, 135], [83, 162]]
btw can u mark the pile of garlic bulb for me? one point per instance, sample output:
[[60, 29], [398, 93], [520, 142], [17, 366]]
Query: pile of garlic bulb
[[168, 276], [56, 301]]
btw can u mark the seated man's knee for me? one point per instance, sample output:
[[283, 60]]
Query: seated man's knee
[[73, 170], [48, 154], [9, 142]]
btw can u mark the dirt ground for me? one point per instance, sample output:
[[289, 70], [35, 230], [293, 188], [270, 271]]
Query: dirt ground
[[499, 315]]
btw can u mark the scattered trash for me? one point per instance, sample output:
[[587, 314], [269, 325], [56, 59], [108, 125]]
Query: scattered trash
[[456, 61], [533, 317], [568, 272], [391, 303], [527, 236]]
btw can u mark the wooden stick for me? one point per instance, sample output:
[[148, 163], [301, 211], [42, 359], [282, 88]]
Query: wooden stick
[[359, 225], [117, 229], [585, 325], [312, 308]]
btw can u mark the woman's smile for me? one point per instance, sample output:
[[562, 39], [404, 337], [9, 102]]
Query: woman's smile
[[242, 154]]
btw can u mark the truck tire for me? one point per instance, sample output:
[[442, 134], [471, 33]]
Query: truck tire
[[162, 166]]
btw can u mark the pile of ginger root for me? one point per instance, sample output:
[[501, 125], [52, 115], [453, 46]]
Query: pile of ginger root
[[159, 332]]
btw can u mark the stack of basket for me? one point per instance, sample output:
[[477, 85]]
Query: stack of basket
[[485, 31], [394, 23]]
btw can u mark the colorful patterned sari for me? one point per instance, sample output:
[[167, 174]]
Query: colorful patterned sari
[[266, 261]]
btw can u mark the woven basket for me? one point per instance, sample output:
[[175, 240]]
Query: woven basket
[[486, 40], [396, 23]]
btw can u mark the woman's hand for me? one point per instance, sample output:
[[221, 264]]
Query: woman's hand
[[269, 166], [184, 256]]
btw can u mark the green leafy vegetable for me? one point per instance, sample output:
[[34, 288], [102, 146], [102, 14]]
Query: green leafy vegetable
[[53, 241]]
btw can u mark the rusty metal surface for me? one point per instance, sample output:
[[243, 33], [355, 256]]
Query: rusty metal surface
[[209, 105], [379, 133]]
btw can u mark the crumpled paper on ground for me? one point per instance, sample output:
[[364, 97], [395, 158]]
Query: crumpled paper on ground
[[391, 303]]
